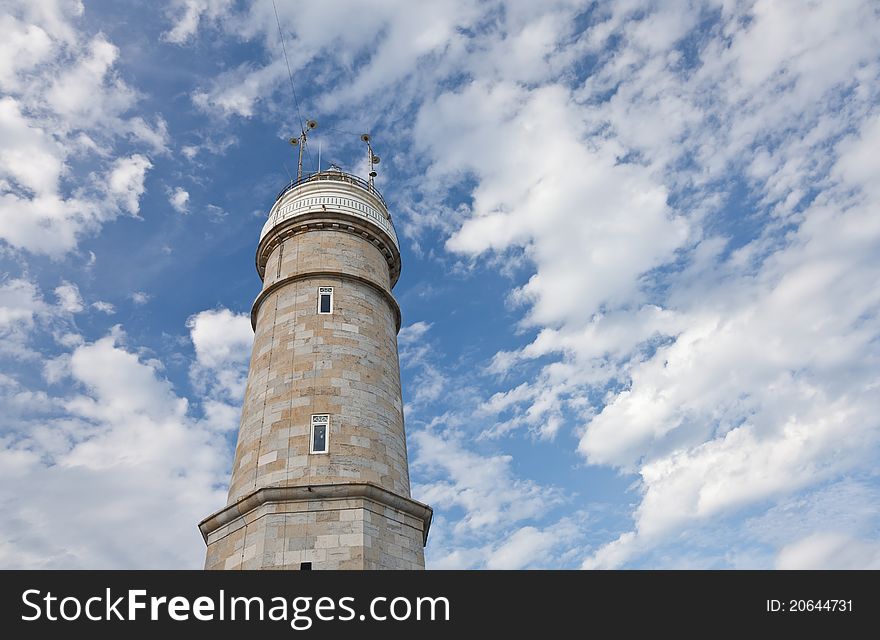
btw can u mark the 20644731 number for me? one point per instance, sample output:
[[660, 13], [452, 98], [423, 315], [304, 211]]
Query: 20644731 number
[[799, 606]]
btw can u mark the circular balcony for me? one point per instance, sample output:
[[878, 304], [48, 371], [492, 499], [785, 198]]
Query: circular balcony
[[331, 191], [332, 200]]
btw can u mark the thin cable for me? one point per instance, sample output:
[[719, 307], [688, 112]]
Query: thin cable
[[289, 72], [346, 132]]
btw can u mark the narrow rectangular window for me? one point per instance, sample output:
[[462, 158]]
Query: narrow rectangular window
[[320, 434], [325, 299], [305, 566]]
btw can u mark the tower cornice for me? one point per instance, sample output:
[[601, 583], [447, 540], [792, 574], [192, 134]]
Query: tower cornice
[[307, 275], [238, 511]]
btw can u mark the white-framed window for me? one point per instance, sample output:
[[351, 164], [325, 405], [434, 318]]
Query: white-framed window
[[325, 299], [319, 436]]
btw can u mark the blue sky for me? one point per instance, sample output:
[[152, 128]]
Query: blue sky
[[640, 261]]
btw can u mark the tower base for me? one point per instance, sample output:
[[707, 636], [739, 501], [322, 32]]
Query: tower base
[[328, 526]]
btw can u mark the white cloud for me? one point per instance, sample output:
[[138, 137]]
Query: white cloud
[[124, 456], [566, 211], [416, 353], [20, 305], [483, 487], [750, 402], [69, 340], [391, 39], [213, 142], [494, 505], [533, 547], [221, 337], [412, 333], [69, 298], [104, 307], [23, 48], [65, 104], [179, 199], [54, 17], [29, 157], [156, 137], [126, 181], [824, 551], [115, 450], [19, 403], [44, 224], [222, 341], [858, 164], [119, 387], [186, 16], [73, 93], [140, 297], [236, 92], [429, 384]]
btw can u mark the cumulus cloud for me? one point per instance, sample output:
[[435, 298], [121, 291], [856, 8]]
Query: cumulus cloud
[[222, 341], [483, 486], [155, 137], [74, 109], [492, 507], [220, 337], [105, 464], [826, 551], [69, 298], [532, 547], [416, 354], [412, 333], [111, 447], [126, 181], [72, 93], [179, 199], [719, 397], [750, 401], [24, 47], [30, 157], [20, 305], [187, 15], [236, 92], [390, 41], [104, 307]]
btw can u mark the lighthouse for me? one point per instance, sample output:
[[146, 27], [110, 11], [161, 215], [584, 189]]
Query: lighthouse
[[320, 478]]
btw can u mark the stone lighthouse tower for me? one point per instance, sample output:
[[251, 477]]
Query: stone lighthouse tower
[[320, 478]]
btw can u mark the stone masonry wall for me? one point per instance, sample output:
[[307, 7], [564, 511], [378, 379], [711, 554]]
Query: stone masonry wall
[[327, 249], [344, 364], [352, 533]]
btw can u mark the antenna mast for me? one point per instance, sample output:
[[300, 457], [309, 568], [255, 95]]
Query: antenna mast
[[373, 159], [301, 141]]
